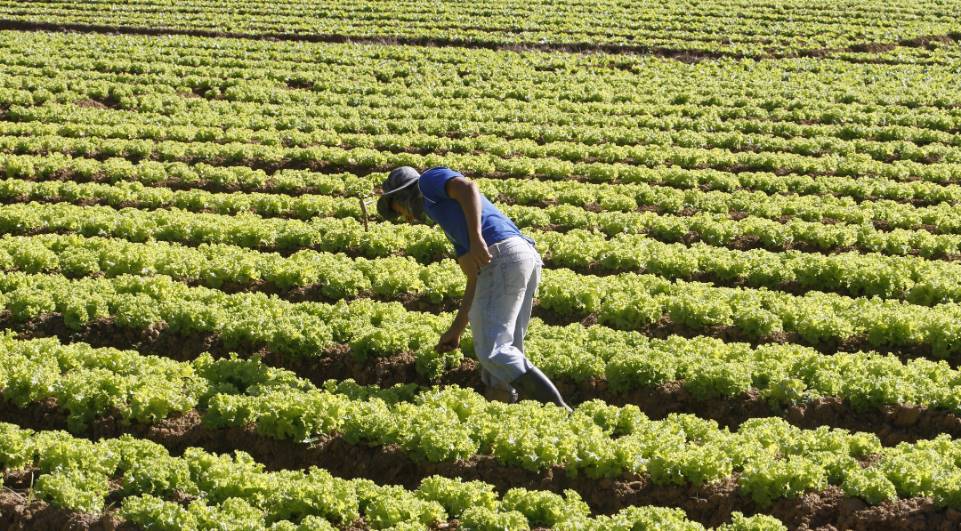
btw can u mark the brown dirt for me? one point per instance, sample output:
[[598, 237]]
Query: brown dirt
[[157, 340], [21, 512], [883, 47], [873, 47], [298, 84], [90, 103], [927, 40], [920, 514]]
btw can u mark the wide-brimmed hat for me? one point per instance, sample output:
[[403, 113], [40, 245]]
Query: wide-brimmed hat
[[401, 178]]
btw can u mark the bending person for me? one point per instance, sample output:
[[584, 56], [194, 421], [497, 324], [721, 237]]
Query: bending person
[[502, 267]]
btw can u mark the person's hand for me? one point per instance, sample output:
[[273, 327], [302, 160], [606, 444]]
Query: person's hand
[[449, 341], [479, 255]]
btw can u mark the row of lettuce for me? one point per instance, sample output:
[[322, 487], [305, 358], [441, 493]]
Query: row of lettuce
[[805, 126], [578, 134], [879, 263], [710, 228], [505, 140], [686, 118], [784, 374], [625, 300], [750, 30], [910, 205], [602, 77], [556, 159], [234, 491], [482, 164], [770, 459], [902, 205], [825, 115], [76, 254], [724, 230]]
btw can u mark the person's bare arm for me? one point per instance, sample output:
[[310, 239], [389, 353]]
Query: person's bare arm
[[461, 320], [468, 196], [450, 339]]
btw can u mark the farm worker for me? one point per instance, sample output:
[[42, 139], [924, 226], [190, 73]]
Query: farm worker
[[502, 269]]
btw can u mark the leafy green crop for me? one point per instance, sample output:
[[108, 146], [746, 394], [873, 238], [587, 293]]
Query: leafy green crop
[[793, 182], [235, 491]]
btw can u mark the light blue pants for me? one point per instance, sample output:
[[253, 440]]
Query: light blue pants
[[501, 310]]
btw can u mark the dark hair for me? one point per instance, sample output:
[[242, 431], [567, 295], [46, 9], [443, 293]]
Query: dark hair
[[385, 207], [411, 198]]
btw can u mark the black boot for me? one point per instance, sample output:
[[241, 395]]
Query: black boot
[[534, 384]]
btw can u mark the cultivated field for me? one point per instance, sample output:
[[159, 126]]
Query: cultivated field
[[748, 213]]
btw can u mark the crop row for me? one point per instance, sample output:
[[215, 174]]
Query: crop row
[[366, 160], [134, 194], [754, 31], [914, 280], [824, 107], [709, 368], [670, 190], [90, 383], [682, 122], [828, 321], [909, 278], [691, 119], [503, 138], [663, 40], [823, 237], [715, 229], [771, 459], [146, 74], [942, 52], [670, 18], [748, 232], [130, 94], [774, 153], [172, 225], [78, 475], [942, 218]]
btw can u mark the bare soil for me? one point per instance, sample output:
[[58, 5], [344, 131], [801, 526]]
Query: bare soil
[[18, 511]]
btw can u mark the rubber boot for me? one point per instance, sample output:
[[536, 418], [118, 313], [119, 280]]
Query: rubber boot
[[534, 384]]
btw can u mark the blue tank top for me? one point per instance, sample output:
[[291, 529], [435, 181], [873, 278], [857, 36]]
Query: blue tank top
[[447, 212]]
